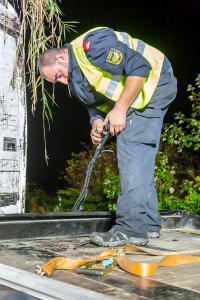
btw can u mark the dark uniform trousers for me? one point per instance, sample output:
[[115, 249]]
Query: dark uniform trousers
[[137, 146]]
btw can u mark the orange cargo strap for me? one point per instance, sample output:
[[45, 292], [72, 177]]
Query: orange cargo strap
[[124, 262]]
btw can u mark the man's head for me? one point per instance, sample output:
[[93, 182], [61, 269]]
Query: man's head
[[53, 65]]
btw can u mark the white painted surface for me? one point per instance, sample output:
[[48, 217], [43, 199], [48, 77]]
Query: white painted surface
[[12, 120]]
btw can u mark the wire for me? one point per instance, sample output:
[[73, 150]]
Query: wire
[[84, 191]]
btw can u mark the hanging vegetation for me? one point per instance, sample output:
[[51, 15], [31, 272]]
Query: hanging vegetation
[[42, 27]]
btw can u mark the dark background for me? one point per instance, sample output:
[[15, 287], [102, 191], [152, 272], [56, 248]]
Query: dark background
[[171, 26]]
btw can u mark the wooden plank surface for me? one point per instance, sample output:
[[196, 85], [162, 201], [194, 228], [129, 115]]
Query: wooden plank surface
[[27, 253]]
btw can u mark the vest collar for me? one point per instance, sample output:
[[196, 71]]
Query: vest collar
[[72, 63]]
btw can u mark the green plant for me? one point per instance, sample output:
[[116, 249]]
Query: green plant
[[111, 188], [165, 181], [38, 201], [76, 168], [47, 29], [42, 27], [185, 131], [75, 173], [183, 159], [111, 184], [68, 196], [191, 194]]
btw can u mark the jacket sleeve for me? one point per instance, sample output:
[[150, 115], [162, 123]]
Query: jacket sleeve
[[105, 51], [95, 114]]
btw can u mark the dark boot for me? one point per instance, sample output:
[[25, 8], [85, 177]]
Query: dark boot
[[114, 237]]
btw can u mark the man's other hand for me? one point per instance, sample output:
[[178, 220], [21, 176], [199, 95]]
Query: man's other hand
[[96, 132]]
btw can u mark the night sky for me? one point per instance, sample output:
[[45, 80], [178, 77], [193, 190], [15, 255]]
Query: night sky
[[171, 26]]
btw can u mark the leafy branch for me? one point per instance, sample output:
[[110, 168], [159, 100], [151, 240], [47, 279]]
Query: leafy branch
[[42, 27]]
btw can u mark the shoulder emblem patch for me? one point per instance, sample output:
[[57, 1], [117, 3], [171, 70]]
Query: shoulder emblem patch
[[86, 45], [114, 56]]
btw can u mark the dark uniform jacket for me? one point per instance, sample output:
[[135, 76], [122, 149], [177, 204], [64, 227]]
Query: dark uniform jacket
[[100, 43]]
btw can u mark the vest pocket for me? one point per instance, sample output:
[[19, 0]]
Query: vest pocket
[[149, 113]]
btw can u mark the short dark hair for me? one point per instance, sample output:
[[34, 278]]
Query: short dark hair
[[48, 58]]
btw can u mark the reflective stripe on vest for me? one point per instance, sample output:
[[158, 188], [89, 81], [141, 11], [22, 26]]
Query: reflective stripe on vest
[[112, 86]]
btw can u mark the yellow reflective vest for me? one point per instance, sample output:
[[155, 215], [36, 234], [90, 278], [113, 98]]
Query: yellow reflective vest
[[111, 86]]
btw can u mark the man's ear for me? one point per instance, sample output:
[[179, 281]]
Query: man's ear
[[61, 57]]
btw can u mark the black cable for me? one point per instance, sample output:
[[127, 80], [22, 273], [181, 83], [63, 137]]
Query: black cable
[[84, 191]]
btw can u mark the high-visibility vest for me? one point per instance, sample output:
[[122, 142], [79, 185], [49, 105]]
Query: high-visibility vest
[[111, 86]]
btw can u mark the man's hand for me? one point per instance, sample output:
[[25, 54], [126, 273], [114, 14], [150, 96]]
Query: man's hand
[[117, 116], [116, 119], [96, 132]]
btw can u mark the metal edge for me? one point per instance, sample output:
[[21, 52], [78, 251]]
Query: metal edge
[[45, 288], [60, 215]]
